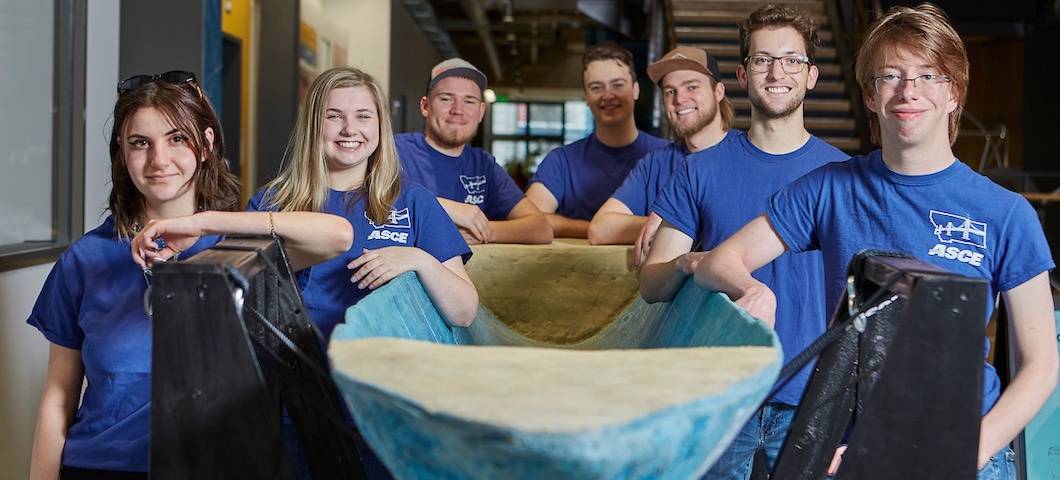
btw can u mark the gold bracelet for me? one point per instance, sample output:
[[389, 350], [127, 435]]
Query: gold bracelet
[[272, 226]]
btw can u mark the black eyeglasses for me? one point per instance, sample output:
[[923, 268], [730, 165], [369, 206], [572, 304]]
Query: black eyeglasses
[[175, 77], [791, 64]]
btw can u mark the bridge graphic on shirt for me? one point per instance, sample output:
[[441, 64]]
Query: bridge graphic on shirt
[[395, 219], [950, 228], [474, 184]]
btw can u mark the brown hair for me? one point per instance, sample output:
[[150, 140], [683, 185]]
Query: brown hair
[[183, 106], [303, 183], [609, 51], [926, 31], [779, 16]]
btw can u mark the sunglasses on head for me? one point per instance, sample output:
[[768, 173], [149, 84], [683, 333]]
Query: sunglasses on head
[[175, 77]]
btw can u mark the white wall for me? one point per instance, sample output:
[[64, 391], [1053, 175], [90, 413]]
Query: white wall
[[365, 27], [23, 350], [24, 353]]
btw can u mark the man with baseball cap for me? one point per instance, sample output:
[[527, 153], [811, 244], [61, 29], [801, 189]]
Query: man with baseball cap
[[720, 189], [573, 181], [479, 196], [700, 117]]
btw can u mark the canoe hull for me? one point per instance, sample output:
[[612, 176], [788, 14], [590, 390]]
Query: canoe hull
[[681, 441], [676, 443]]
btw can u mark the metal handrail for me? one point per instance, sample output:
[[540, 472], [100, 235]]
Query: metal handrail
[[850, 19], [995, 141]]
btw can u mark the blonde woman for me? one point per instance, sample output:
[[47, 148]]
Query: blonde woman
[[342, 160]]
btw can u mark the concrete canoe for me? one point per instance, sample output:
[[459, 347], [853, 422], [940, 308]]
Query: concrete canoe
[[658, 391]]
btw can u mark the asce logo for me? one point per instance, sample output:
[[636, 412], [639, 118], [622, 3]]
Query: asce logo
[[476, 188], [950, 228], [396, 219]]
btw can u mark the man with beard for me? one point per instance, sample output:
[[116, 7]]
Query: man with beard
[[912, 195], [479, 196], [574, 180], [720, 189], [700, 117]]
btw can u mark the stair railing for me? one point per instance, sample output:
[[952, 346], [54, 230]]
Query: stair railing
[[850, 19], [995, 141]]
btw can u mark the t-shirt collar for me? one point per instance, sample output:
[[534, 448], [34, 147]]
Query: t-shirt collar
[[879, 167]]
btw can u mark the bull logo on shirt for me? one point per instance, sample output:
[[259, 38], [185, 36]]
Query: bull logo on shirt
[[395, 219], [476, 188], [955, 229]]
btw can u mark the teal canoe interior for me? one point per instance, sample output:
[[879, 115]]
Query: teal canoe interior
[[552, 299]]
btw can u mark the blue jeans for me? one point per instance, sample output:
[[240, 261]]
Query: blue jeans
[[767, 428], [1001, 466]]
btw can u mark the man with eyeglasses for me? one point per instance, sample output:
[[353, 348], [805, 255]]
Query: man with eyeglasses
[[479, 196], [700, 116], [574, 180], [913, 195], [722, 188]]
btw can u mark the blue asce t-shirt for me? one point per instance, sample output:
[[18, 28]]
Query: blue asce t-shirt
[[93, 301], [653, 172], [721, 189], [584, 174], [474, 177], [844, 208], [416, 220]]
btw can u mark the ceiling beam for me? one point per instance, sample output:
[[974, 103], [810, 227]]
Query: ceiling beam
[[474, 10]]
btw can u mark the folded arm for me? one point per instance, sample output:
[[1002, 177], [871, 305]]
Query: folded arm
[[562, 227], [446, 282], [525, 224], [727, 268], [309, 237], [670, 261], [615, 224]]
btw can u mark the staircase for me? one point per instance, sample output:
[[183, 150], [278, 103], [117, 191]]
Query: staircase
[[714, 25]]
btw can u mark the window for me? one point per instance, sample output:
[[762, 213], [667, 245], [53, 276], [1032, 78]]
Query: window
[[522, 133], [40, 188]]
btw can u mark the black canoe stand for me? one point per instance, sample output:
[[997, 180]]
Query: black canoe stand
[[902, 381], [232, 347]]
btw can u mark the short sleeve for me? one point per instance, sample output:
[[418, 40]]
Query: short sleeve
[[793, 211], [258, 203], [550, 173], [1022, 250], [677, 203], [436, 232], [633, 192], [56, 312], [505, 193]]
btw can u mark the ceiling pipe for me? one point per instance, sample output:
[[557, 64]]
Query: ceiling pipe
[[474, 9], [423, 14]]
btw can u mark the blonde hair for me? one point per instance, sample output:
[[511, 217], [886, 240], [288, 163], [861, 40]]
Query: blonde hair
[[303, 183], [923, 30]]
